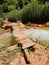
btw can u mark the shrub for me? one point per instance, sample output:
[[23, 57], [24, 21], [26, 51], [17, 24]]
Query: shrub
[[29, 23], [14, 16], [35, 12], [3, 15], [5, 7], [1, 22], [0, 8], [1, 1], [45, 13], [30, 12], [11, 7]]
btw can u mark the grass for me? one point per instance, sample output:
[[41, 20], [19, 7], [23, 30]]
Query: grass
[[8, 57], [2, 48], [43, 43], [28, 24], [4, 43]]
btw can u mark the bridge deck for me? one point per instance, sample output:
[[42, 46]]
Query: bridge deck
[[22, 37]]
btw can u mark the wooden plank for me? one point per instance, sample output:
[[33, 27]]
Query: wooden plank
[[27, 43], [22, 38]]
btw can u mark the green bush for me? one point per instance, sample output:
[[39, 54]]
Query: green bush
[[1, 8], [35, 12], [30, 12], [5, 7], [29, 23], [1, 22], [11, 7], [14, 16], [3, 15], [45, 12]]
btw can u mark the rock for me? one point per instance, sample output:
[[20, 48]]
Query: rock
[[47, 24], [40, 25]]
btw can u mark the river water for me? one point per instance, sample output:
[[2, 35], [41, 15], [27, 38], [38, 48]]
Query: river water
[[34, 34], [37, 34], [5, 38]]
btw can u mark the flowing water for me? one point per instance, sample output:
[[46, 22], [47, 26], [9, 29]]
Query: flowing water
[[38, 35]]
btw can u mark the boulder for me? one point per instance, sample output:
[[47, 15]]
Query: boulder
[[47, 24]]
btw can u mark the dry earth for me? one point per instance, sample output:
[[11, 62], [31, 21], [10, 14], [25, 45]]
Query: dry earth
[[38, 56]]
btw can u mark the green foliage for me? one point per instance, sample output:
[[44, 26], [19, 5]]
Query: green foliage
[[1, 31], [42, 1], [2, 48], [1, 1], [31, 10], [5, 7], [1, 22], [13, 16], [11, 7], [1, 19], [45, 12], [29, 23], [1, 8], [35, 12], [20, 4]]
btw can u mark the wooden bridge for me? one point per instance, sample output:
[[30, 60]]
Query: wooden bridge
[[19, 34], [22, 37]]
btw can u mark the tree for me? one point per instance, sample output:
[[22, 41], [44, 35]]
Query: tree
[[1, 1], [20, 3], [5, 7], [42, 1], [0, 8]]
